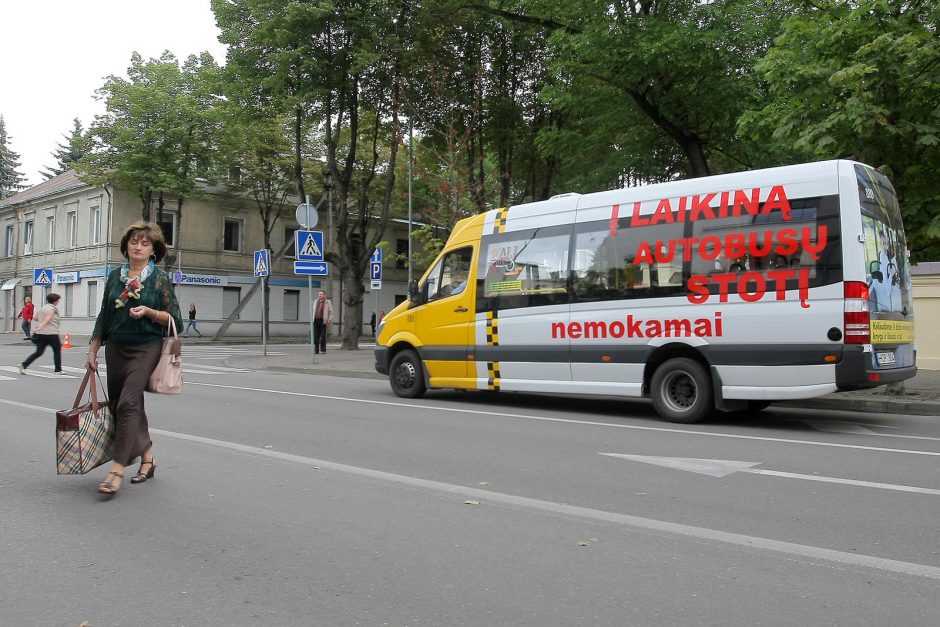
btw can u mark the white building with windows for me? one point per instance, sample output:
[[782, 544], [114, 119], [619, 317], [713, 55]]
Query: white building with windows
[[74, 230]]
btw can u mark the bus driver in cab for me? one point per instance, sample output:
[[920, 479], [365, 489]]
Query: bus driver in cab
[[458, 283]]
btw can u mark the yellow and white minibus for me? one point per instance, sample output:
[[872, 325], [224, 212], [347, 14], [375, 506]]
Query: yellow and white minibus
[[725, 292]]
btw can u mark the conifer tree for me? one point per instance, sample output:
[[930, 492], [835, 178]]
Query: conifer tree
[[75, 147], [11, 179]]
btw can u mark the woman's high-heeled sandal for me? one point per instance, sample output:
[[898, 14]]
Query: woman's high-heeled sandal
[[141, 476], [108, 487]]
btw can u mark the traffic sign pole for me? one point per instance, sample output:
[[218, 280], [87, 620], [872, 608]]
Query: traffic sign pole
[[264, 315]]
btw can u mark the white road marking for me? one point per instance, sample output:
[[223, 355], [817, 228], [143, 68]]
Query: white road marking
[[36, 373], [625, 520], [222, 368], [459, 410], [724, 467], [102, 368]]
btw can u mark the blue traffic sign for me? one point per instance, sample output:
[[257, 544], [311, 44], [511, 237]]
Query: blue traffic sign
[[314, 268], [42, 276], [375, 270], [376, 256], [309, 245], [262, 262]]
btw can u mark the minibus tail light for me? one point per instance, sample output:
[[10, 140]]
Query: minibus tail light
[[857, 319]]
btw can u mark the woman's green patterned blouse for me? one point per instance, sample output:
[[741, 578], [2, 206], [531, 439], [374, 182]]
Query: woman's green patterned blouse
[[116, 324]]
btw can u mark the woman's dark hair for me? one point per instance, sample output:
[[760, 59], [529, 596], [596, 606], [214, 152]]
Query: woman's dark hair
[[52, 298], [152, 231]]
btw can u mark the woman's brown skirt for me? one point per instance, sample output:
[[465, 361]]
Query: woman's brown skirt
[[129, 369]]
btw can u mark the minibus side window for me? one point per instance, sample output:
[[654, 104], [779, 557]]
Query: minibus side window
[[524, 268], [609, 266], [771, 241]]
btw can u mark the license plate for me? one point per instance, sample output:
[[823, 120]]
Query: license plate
[[886, 358]]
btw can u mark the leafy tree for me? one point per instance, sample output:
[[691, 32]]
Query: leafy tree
[[862, 78], [76, 146], [11, 179], [653, 87], [157, 132], [338, 65], [255, 159]]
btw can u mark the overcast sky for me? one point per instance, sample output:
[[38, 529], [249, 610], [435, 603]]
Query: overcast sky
[[54, 54]]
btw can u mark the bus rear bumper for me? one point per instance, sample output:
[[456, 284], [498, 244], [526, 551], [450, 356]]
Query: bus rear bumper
[[857, 371]]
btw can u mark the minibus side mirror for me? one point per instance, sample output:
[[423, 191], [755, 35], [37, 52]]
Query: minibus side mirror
[[413, 294]]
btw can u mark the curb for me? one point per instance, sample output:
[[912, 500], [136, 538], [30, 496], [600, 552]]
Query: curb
[[352, 374], [922, 408]]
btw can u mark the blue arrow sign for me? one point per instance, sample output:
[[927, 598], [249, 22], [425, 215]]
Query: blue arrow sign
[[309, 245], [42, 276], [376, 256], [262, 263], [375, 270], [314, 268]]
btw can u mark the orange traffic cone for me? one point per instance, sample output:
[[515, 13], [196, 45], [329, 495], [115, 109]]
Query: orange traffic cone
[[67, 343]]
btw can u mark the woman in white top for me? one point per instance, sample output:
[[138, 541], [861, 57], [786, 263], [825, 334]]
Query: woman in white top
[[46, 333]]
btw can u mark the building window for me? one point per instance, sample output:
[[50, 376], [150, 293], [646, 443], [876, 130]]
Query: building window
[[28, 232], [291, 305], [94, 226], [50, 232], [93, 303], [231, 296], [71, 227], [401, 253], [289, 239], [69, 293], [168, 226], [232, 235], [9, 242]]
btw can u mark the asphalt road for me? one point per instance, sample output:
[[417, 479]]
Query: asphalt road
[[291, 499]]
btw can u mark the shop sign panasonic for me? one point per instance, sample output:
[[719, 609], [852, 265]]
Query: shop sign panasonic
[[210, 280], [66, 277]]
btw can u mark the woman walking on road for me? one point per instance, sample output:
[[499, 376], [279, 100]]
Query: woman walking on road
[[47, 334], [137, 305], [192, 321]]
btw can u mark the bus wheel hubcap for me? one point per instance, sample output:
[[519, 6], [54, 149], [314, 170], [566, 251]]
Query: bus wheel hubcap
[[406, 374], [679, 391]]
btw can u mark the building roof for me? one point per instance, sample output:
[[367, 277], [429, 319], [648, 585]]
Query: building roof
[[68, 180]]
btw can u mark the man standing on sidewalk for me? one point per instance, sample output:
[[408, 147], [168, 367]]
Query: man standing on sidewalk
[[322, 319]]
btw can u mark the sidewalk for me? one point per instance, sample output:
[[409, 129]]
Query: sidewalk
[[921, 397]]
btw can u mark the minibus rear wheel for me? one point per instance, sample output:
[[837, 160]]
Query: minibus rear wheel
[[407, 375], [681, 391]]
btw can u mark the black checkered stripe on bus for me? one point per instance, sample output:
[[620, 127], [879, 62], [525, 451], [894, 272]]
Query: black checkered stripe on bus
[[499, 224], [492, 339]]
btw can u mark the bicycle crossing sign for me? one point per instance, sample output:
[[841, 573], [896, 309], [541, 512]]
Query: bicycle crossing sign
[[262, 262], [309, 245], [42, 276]]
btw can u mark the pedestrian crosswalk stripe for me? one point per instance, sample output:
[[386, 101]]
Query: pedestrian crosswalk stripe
[[37, 373]]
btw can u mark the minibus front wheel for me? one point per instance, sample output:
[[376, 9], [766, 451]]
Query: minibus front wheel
[[406, 374], [681, 391]]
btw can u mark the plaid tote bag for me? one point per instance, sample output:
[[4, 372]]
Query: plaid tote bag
[[84, 435]]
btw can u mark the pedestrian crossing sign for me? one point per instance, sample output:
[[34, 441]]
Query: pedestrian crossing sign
[[262, 263], [42, 276], [309, 245]]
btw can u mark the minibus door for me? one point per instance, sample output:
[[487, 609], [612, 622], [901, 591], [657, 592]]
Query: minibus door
[[444, 323]]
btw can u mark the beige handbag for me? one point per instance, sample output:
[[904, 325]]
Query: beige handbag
[[167, 377]]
